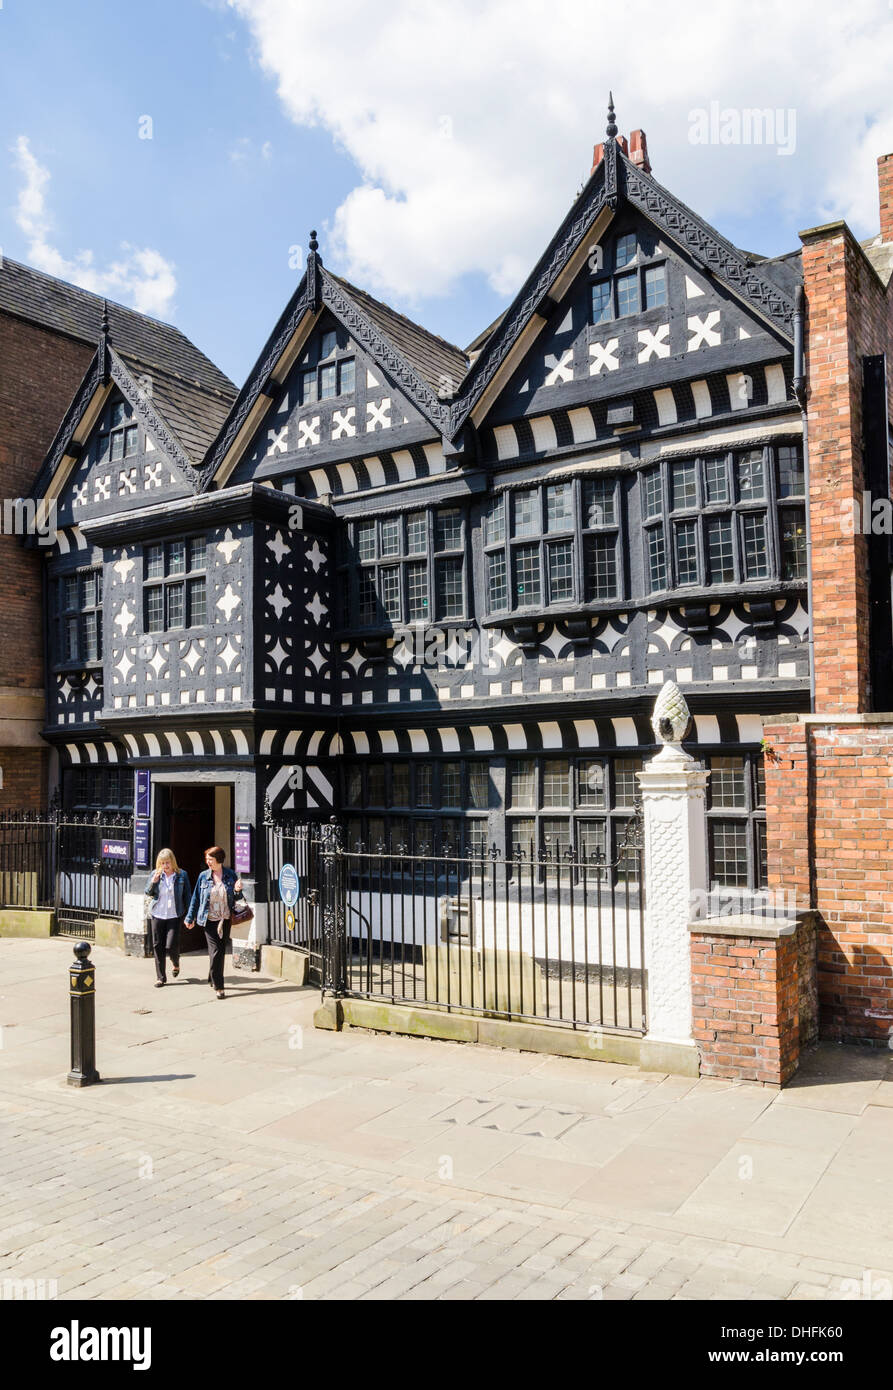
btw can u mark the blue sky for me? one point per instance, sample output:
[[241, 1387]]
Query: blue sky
[[434, 146]]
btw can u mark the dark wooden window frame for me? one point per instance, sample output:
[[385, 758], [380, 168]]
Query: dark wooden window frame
[[167, 581]]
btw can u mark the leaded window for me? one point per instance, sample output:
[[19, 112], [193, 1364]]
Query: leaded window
[[175, 584], [624, 283], [554, 545], [441, 806], [327, 367], [736, 821], [119, 433], [79, 617], [595, 797], [407, 568]]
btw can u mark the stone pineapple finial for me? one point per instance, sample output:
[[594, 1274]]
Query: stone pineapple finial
[[671, 719]]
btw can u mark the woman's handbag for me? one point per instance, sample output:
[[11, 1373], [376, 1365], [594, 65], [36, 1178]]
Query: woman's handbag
[[242, 912]]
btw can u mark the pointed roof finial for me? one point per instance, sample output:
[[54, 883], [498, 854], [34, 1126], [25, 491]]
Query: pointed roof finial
[[611, 130], [314, 244]]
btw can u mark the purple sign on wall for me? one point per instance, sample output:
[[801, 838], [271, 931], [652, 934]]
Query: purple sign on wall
[[116, 850], [141, 844], [243, 849], [143, 791]]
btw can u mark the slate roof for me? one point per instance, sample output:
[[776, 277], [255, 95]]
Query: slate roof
[[430, 357], [192, 395]]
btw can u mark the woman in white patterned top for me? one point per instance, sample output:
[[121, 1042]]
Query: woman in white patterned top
[[212, 907]]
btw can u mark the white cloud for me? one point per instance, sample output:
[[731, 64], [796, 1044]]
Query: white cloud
[[140, 277], [472, 121], [243, 151]]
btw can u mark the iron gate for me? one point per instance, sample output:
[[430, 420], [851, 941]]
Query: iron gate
[[94, 864], [296, 843]]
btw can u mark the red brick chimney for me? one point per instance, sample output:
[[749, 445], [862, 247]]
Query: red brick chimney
[[885, 195], [636, 152]]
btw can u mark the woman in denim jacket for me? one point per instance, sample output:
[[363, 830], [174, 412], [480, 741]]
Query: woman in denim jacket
[[169, 887], [212, 907]]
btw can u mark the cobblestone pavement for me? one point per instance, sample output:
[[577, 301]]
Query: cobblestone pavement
[[232, 1151]]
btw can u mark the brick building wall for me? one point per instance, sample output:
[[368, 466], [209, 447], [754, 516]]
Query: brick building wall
[[40, 373]]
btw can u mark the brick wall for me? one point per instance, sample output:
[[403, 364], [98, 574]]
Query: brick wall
[[24, 778], [41, 372], [746, 1005]]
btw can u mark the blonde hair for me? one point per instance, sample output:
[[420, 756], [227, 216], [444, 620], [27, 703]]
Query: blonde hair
[[166, 854]]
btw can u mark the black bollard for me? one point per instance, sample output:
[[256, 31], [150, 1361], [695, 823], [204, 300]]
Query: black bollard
[[82, 978]]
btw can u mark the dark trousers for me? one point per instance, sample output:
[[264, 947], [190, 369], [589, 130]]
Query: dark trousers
[[216, 950], [165, 941]]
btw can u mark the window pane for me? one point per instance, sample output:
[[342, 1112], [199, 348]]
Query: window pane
[[627, 857], [389, 536], [389, 588], [353, 791], [686, 552], [525, 513], [450, 589], [398, 834], [72, 593], [346, 377], [416, 533], [561, 570], [522, 783], [598, 502], [760, 793], [328, 344], [791, 478], [657, 559], [198, 603], [88, 597], [626, 784], [477, 837], [451, 784], [625, 250], [683, 487], [556, 837], [375, 785], [197, 553], [600, 561], [793, 543], [176, 601], [327, 382], [155, 562], [423, 837], [376, 841], [559, 507], [479, 786], [102, 449], [728, 853], [91, 638], [556, 782], [155, 610], [496, 582], [496, 520], [655, 286], [654, 493], [400, 784], [756, 559], [308, 387], [717, 480], [522, 836], [118, 414], [762, 855], [448, 530], [720, 555], [176, 557], [591, 841], [590, 783], [366, 540], [367, 599], [130, 440], [751, 475], [424, 784], [72, 645], [726, 782], [117, 445], [601, 301], [527, 575], [627, 295], [417, 589]]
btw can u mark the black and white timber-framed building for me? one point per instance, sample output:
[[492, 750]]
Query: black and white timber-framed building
[[437, 591]]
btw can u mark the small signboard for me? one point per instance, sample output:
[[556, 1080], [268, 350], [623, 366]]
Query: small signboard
[[116, 850], [289, 885], [143, 792], [141, 844], [243, 849], [289, 920]]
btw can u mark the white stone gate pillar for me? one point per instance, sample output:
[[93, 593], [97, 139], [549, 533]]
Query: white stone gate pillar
[[673, 788]]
